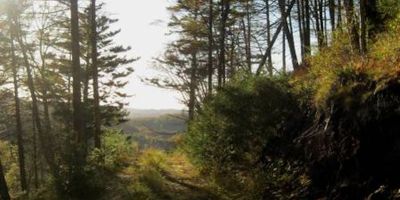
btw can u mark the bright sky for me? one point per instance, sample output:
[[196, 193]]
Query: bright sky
[[147, 40]]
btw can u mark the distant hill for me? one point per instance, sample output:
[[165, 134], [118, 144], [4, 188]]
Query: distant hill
[[151, 113], [154, 128]]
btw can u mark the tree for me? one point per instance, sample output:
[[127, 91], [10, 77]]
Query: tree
[[38, 48], [319, 22], [307, 28], [352, 25], [18, 122], [268, 24], [76, 74], [363, 18], [186, 62], [332, 13], [247, 33], [210, 46], [45, 139], [225, 8], [372, 22], [374, 17], [278, 30], [95, 76]]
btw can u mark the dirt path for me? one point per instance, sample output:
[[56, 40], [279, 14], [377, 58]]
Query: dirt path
[[186, 190], [183, 181], [175, 179]]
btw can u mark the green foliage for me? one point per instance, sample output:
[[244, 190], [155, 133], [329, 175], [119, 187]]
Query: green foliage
[[313, 85], [390, 8], [385, 51], [117, 152], [235, 125], [92, 180], [148, 181], [244, 127], [151, 163], [330, 63], [8, 153], [311, 131]]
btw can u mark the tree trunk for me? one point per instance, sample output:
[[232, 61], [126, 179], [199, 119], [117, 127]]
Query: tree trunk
[[284, 52], [210, 47], [35, 154], [269, 43], [332, 14], [46, 142], [18, 122], [288, 34], [339, 19], [248, 36], [307, 28], [352, 25], [76, 74], [318, 26], [193, 85], [322, 21], [300, 24], [363, 21], [374, 18], [246, 44], [225, 9], [273, 40], [96, 96], [88, 74], [45, 89], [232, 57], [325, 23]]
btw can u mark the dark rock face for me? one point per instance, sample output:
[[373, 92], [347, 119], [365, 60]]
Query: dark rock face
[[354, 145]]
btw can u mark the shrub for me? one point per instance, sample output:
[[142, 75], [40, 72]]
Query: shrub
[[117, 151], [248, 125], [10, 166]]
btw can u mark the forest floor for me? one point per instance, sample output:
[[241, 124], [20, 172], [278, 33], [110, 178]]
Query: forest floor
[[183, 181], [173, 179]]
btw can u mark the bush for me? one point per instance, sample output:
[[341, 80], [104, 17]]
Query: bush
[[10, 166], [247, 126], [116, 153], [99, 173]]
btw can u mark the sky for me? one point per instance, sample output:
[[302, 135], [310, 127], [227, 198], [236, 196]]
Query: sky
[[143, 25]]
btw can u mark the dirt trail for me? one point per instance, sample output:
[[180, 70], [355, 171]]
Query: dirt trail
[[177, 179], [183, 181]]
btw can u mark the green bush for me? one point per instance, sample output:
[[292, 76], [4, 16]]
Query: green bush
[[8, 153], [245, 127], [117, 151], [234, 126]]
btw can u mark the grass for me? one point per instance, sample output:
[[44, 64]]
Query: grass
[[157, 175]]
